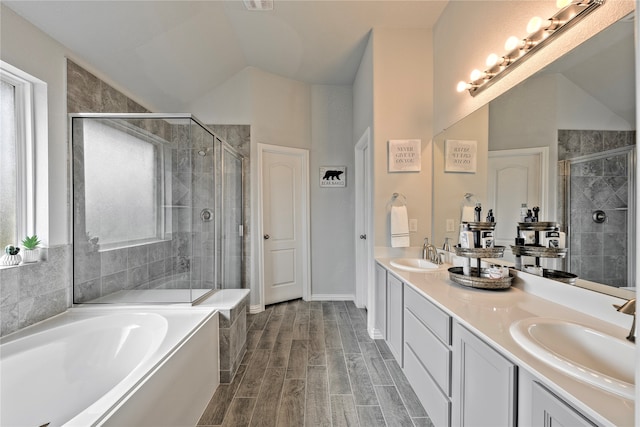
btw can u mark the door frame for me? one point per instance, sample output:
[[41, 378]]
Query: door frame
[[303, 154], [365, 267]]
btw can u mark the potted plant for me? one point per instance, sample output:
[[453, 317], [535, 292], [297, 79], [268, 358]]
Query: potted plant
[[11, 256], [31, 251]]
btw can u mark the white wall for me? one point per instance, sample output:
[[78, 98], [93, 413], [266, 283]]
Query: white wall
[[454, 59], [403, 109], [363, 93], [32, 51], [332, 209]]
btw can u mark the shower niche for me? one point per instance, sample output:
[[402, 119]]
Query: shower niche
[[147, 211]]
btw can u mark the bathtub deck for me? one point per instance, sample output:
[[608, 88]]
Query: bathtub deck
[[312, 363]]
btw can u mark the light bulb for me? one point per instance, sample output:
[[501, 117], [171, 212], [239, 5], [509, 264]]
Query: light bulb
[[462, 86], [476, 75], [511, 43], [492, 60], [534, 24], [562, 3]]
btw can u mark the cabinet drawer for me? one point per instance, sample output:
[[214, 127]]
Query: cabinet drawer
[[430, 351], [434, 402], [435, 319]]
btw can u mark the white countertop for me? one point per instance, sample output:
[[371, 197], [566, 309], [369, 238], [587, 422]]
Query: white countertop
[[489, 314]]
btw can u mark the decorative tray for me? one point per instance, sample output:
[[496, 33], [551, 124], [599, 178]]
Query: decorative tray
[[539, 251], [538, 226], [495, 252], [481, 226], [560, 276], [473, 281]]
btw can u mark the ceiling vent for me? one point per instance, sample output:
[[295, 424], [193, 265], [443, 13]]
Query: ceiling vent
[[258, 4]]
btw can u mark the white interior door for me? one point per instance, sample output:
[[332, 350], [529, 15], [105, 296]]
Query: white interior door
[[515, 177], [284, 225]]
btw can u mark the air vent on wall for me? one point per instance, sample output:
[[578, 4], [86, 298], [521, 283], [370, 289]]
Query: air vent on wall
[[258, 4]]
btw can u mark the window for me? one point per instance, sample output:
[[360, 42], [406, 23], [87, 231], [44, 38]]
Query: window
[[17, 217], [123, 184]]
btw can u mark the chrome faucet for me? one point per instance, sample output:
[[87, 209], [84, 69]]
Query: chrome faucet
[[629, 307], [429, 252]]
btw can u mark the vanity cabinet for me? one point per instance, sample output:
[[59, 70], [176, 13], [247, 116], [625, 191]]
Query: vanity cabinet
[[484, 383], [540, 407], [381, 301], [427, 355], [395, 298], [388, 313]]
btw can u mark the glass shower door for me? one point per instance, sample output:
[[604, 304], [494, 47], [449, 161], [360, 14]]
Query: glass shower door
[[232, 219]]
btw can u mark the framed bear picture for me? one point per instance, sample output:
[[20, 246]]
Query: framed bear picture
[[333, 176]]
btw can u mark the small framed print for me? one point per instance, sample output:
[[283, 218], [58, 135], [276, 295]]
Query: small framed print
[[460, 156], [404, 155], [333, 176]]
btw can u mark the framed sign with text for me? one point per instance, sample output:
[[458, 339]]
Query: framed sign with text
[[404, 155], [460, 156], [333, 176]]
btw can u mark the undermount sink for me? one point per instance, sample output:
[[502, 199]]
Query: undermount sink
[[413, 264], [589, 355]]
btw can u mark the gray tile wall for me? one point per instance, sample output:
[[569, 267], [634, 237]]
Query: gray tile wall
[[597, 251], [33, 292]]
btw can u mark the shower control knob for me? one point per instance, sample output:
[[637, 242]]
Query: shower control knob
[[266, 237]]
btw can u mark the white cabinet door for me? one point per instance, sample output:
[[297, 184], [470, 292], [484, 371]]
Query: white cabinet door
[[484, 383], [549, 411], [395, 316], [381, 301]]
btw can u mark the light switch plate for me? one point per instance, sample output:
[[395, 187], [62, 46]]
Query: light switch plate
[[413, 225]]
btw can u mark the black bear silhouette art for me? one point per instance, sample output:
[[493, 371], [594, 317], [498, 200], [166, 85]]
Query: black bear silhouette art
[[331, 175]]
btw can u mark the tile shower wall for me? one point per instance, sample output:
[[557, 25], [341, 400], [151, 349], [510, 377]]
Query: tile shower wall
[[597, 250]]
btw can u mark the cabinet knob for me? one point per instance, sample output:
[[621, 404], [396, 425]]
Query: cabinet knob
[[363, 237]]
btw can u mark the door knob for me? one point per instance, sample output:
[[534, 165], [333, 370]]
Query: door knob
[[363, 236], [266, 237]]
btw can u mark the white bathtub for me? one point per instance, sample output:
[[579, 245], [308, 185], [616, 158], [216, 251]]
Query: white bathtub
[[111, 366]]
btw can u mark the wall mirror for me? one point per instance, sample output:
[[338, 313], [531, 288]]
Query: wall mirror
[[577, 119]]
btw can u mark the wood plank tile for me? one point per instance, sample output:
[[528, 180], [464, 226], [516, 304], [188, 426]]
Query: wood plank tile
[[301, 326], [338, 375], [219, 404], [271, 329], [332, 335], [328, 311], [348, 338], [363, 392], [371, 416], [343, 411], [281, 349], [317, 407], [339, 306], [298, 359], [376, 365], [316, 351], [291, 411], [422, 422], [265, 412], [354, 311], [287, 320], [260, 320], [411, 401], [239, 414], [392, 406], [315, 305], [343, 317], [250, 385], [384, 350], [253, 338]]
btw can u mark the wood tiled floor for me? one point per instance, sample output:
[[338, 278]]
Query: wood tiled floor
[[313, 364]]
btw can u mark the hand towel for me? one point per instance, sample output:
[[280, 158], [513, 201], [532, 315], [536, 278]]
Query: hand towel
[[399, 227]]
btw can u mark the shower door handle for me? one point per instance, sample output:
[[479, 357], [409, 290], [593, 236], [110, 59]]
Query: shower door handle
[[266, 237]]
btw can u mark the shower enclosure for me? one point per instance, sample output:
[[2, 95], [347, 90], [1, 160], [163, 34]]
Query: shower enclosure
[[146, 212], [600, 209]]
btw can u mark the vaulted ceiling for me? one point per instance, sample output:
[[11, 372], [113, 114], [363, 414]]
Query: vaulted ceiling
[[172, 52]]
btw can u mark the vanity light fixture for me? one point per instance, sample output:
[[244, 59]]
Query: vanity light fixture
[[539, 32]]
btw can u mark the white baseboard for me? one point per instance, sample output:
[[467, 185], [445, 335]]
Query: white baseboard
[[376, 334], [254, 309], [332, 297]]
